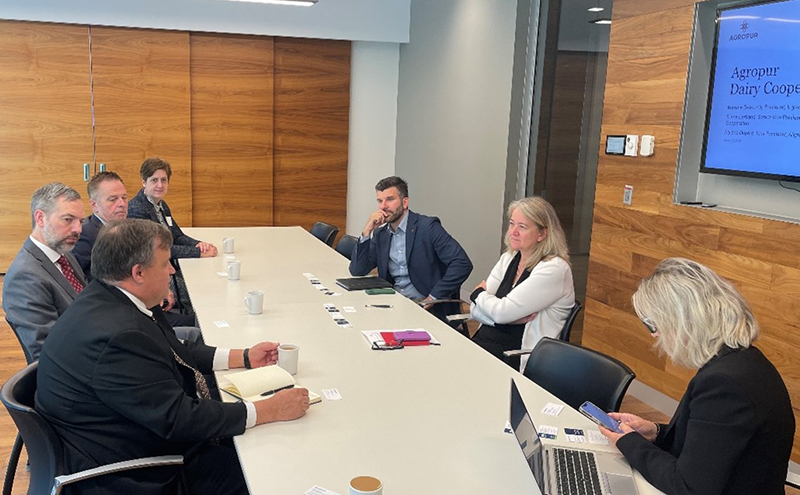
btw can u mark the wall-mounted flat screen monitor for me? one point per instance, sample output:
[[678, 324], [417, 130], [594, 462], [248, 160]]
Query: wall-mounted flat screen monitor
[[753, 114]]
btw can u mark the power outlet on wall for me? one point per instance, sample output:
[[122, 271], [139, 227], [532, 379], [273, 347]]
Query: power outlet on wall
[[627, 196]]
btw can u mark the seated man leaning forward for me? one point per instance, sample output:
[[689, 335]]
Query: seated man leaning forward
[[116, 384], [45, 278], [411, 251]]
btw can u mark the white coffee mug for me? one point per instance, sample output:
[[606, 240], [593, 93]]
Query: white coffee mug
[[234, 270], [254, 302], [288, 355], [227, 245], [366, 485]]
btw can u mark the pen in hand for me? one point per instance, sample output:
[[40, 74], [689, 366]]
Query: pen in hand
[[271, 392]]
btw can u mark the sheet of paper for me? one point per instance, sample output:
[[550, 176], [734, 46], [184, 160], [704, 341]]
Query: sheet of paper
[[221, 324], [331, 394], [230, 257], [373, 337], [575, 435], [318, 490], [595, 436], [349, 309], [549, 432], [552, 409], [222, 274]]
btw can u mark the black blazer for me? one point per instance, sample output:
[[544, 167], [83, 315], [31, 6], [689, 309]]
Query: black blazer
[[732, 432], [183, 246], [83, 249], [110, 386], [437, 264]]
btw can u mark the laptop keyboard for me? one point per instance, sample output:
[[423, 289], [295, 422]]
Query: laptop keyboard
[[576, 472]]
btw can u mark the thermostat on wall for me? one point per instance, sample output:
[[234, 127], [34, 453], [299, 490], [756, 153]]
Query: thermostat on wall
[[615, 145]]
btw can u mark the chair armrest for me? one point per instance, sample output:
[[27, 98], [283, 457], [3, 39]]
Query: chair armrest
[[433, 302], [518, 352], [458, 318], [66, 479]]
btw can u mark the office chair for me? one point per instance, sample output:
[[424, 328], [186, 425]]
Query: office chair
[[451, 311], [16, 449], [45, 451], [576, 374], [563, 335], [346, 245], [325, 232]]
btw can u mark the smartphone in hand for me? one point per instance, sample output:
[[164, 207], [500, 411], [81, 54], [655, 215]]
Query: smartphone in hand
[[600, 417]]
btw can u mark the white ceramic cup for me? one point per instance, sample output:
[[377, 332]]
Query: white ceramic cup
[[288, 355], [227, 245], [366, 485], [234, 270], [254, 302]]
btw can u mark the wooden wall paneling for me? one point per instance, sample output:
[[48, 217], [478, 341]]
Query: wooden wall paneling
[[312, 106], [45, 119], [232, 133], [758, 256], [143, 108]]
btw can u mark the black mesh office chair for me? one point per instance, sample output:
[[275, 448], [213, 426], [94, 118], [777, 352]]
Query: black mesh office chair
[[325, 232], [576, 374], [346, 245], [45, 451]]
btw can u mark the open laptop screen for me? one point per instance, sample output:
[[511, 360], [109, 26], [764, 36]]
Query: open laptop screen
[[527, 436]]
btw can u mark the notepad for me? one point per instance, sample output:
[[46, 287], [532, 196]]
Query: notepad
[[250, 384]]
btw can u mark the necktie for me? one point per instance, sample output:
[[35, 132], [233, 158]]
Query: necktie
[[66, 269], [199, 379]]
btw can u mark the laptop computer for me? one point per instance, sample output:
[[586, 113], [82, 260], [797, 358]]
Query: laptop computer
[[363, 283], [561, 470]]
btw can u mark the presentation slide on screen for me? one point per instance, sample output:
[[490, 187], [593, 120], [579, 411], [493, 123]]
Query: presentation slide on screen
[[754, 123]]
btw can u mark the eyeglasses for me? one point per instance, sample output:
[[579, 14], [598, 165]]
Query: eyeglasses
[[386, 347], [650, 325]]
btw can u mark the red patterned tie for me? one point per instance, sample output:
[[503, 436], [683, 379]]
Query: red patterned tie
[[66, 269]]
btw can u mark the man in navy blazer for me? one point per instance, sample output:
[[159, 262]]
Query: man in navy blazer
[[45, 278], [411, 251]]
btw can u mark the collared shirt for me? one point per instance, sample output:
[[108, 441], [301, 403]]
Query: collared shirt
[[49, 252], [398, 264], [101, 219], [220, 356], [159, 211]]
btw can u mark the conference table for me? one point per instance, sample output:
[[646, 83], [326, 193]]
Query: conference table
[[424, 420]]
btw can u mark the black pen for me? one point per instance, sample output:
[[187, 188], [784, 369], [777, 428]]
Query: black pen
[[381, 306], [270, 392]]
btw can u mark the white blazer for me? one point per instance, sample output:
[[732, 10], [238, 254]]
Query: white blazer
[[548, 291]]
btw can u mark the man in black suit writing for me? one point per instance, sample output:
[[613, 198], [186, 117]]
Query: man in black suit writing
[[116, 383]]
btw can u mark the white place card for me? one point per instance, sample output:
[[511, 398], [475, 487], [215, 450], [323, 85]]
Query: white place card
[[552, 409], [595, 436], [221, 324], [331, 394], [349, 309], [318, 490]]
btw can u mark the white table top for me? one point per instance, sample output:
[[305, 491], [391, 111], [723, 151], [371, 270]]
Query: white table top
[[426, 420]]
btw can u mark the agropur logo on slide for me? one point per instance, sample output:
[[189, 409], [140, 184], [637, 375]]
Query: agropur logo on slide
[[746, 34]]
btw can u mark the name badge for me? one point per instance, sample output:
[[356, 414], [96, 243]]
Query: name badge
[[169, 221]]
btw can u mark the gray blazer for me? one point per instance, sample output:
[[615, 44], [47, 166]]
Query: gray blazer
[[35, 294]]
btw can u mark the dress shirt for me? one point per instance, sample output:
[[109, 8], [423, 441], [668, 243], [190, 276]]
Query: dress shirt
[[51, 255], [398, 263], [159, 211], [221, 356]]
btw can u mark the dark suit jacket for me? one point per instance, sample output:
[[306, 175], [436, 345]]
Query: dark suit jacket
[[437, 265], [83, 249], [183, 246], [732, 432], [111, 388], [35, 294]]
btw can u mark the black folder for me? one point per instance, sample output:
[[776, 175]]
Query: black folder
[[363, 283]]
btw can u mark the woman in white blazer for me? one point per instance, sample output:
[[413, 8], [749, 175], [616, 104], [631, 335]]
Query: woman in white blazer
[[529, 292]]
